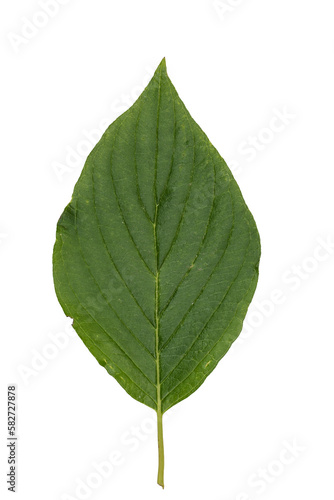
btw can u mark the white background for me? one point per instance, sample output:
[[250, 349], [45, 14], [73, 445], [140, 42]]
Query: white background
[[236, 65]]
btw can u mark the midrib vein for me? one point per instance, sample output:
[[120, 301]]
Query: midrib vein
[[156, 317], [160, 478], [156, 203]]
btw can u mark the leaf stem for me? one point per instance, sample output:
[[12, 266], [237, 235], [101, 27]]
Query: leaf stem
[[161, 450]]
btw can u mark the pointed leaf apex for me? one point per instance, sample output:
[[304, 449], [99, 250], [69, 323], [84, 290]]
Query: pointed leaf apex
[[162, 66]]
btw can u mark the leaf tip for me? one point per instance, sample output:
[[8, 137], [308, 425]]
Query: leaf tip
[[162, 66]]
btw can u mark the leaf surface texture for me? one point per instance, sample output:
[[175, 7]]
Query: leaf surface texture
[[156, 256]]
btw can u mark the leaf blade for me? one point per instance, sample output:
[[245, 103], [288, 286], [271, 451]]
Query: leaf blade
[[156, 256]]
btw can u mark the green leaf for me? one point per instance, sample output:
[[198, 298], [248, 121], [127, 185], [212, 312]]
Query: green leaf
[[156, 256]]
